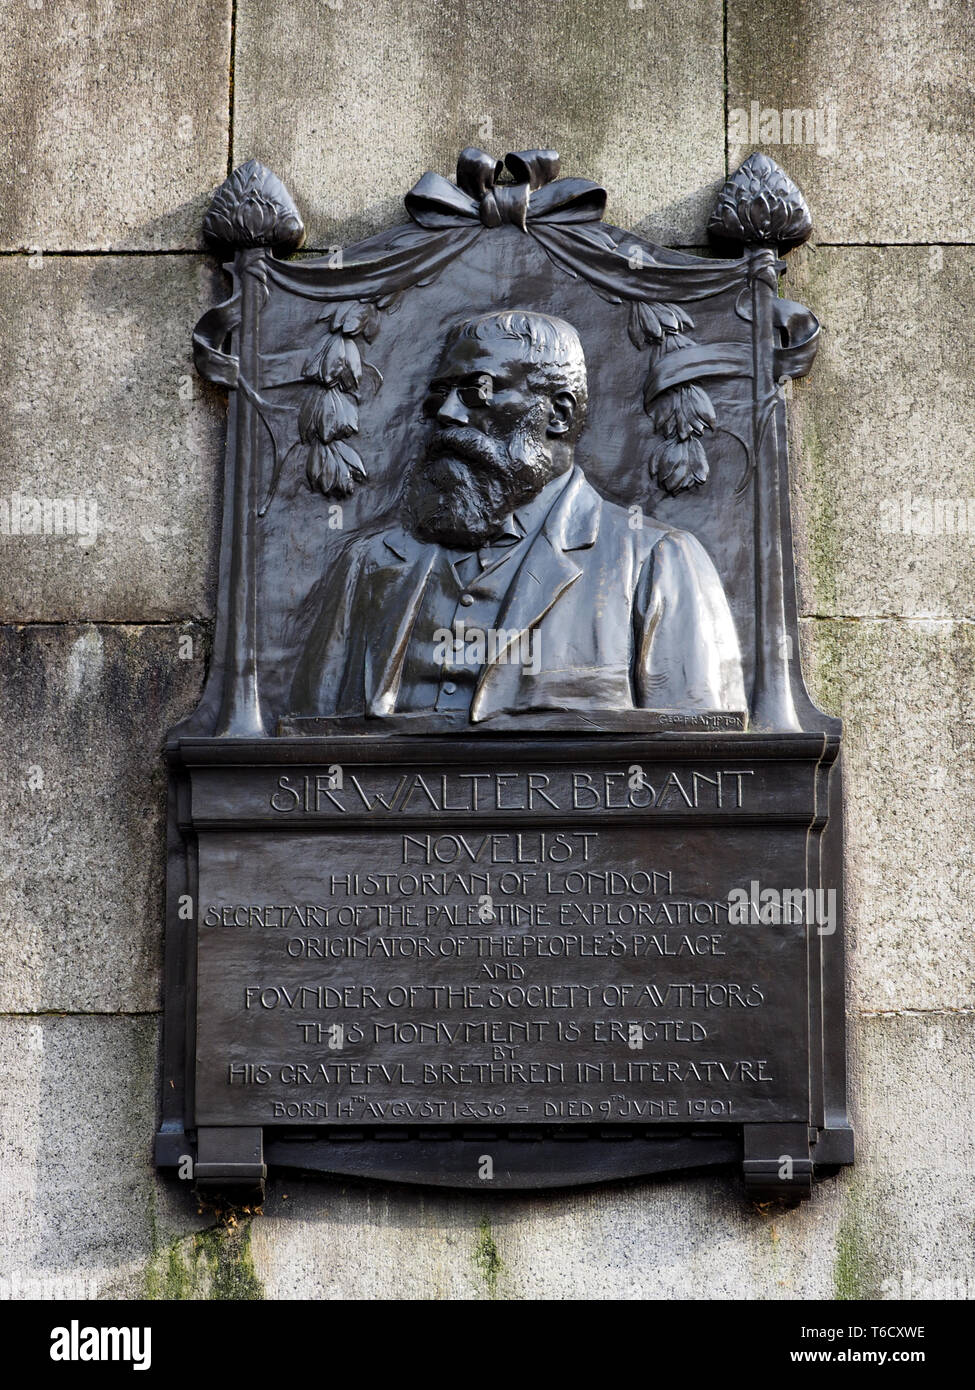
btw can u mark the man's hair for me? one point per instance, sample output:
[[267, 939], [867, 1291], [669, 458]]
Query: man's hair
[[553, 346]]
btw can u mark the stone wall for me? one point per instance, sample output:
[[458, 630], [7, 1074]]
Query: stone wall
[[117, 121]]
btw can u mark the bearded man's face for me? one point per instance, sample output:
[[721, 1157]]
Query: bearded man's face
[[489, 451]]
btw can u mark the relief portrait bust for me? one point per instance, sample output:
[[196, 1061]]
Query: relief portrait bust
[[506, 584]]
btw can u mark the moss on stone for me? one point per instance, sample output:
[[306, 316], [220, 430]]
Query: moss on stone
[[824, 558], [213, 1264], [226, 1251], [854, 1265], [829, 676], [169, 1278], [487, 1258]]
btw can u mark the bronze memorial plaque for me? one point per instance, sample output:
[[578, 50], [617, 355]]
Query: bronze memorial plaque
[[505, 843]]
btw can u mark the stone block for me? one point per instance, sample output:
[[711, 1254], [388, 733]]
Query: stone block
[[85, 711], [350, 103], [114, 122], [111, 460], [882, 144]]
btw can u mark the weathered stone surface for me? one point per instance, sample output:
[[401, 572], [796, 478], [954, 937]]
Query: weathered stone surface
[[898, 120], [114, 122], [81, 1213], [103, 410], [350, 104], [883, 484], [906, 690], [881, 1231], [906, 1228], [77, 1106], [82, 810]]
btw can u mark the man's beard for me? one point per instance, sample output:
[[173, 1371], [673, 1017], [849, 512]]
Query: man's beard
[[465, 484]]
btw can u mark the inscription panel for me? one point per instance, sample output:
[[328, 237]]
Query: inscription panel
[[343, 792], [588, 972]]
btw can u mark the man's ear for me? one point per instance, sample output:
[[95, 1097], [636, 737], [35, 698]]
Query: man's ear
[[563, 414]]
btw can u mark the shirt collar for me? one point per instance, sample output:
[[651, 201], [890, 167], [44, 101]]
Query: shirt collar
[[524, 521], [528, 518]]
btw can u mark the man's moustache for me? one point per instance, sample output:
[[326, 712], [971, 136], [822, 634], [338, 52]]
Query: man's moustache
[[463, 444]]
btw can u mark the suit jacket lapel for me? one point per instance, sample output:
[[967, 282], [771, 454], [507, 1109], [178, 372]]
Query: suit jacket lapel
[[391, 623]]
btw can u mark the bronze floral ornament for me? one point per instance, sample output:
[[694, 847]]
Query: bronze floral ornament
[[252, 208], [760, 204]]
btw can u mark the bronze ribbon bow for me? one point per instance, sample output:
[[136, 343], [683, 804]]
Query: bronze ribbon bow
[[534, 193]]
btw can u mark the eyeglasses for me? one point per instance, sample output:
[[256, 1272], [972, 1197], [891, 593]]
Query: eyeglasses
[[474, 393]]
